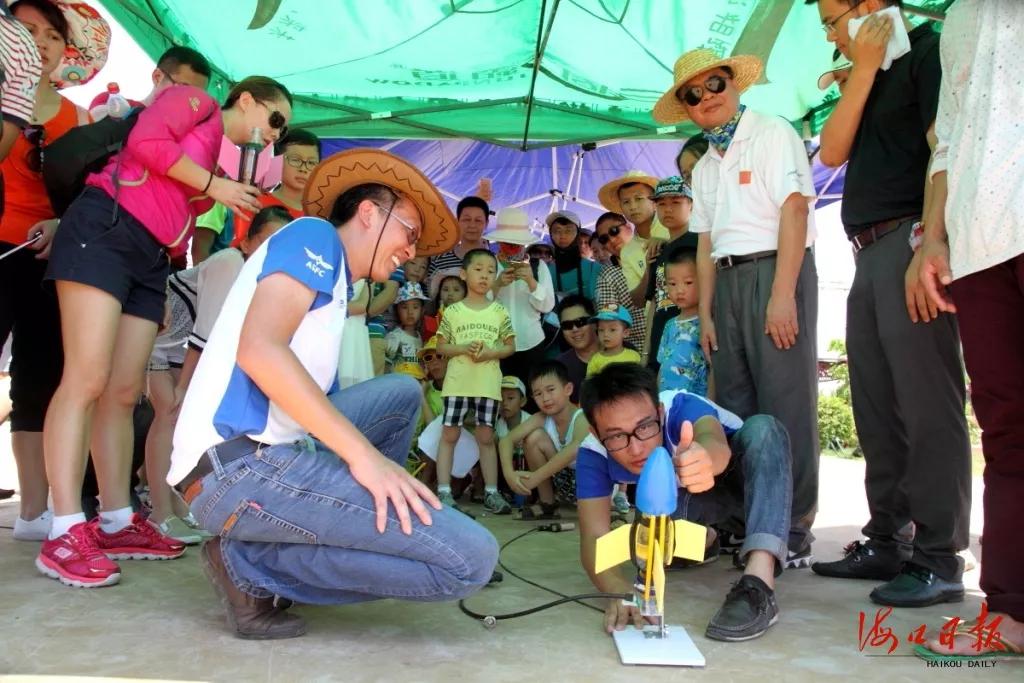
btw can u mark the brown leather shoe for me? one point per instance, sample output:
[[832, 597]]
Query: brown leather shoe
[[250, 618]]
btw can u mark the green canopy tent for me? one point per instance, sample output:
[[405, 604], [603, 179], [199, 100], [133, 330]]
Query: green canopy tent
[[518, 73]]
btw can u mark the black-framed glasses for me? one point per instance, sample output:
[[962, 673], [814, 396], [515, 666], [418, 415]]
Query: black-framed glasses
[[612, 232], [413, 232], [576, 323], [829, 27], [646, 430], [695, 93], [35, 135], [300, 163]]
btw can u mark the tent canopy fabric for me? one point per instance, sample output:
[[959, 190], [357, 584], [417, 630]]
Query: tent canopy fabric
[[544, 180], [518, 73]]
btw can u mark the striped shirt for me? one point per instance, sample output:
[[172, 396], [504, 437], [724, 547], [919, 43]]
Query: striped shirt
[[20, 70]]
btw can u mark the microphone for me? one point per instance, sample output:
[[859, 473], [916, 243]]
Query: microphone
[[557, 527]]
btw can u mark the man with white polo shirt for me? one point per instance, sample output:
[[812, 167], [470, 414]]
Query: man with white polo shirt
[[753, 194], [302, 485]]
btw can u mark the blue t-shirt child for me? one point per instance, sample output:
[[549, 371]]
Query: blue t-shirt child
[[681, 360]]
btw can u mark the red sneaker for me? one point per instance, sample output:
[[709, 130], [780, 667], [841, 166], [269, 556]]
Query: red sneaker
[[75, 560], [140, 540]]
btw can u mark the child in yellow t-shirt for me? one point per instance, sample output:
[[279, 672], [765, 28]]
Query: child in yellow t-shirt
[[612, 323], [474, 334]]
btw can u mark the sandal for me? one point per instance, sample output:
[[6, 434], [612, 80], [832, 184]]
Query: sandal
[[531, 513], [996, 648]]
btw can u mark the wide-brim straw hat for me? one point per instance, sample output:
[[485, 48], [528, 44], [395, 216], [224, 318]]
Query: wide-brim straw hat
[[608, 195], [746, 69], [512, 227], [340, 172]]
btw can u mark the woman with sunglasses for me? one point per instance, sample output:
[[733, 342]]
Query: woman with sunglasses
[[110, 265], [301, 151], [25, 308]]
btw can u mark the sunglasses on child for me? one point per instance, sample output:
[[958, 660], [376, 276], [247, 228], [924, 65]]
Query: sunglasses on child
[[612, 232], [695, 93], [576, 323]]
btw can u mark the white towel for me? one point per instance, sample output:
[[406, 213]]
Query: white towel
[[899, 41]]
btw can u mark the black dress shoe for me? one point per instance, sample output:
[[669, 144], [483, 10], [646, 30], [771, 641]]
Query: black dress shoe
[[916, 586], [871, 560], [5, 494]]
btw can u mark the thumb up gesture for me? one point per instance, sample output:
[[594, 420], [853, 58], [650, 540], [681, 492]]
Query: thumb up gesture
[[692, 462]]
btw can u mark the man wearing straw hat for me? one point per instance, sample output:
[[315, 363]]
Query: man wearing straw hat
[[337, 519], [753, 194]]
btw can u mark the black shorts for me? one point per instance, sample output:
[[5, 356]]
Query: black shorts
[[29, 313], [119, 257]]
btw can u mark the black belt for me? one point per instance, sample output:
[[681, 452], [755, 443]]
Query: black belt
[[226, 452], [730, 261], [876, 231]]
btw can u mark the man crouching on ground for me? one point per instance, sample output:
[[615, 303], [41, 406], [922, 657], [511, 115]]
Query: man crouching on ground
[[724, 467], [338, 519]]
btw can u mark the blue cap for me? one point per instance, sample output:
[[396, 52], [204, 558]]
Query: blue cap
[[656, 491], [614, 312]]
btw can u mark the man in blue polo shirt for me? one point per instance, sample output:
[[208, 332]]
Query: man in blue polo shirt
[[336, 520], [723, 465]]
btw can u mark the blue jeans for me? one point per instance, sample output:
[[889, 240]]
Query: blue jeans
[[295, 523], [757, 486]]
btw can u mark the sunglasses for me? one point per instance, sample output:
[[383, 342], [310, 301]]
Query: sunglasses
[[35, 135], [429, 357], [612, 232], [576, 323], [277, 121], [300, 163], [413, 232], [695, 93]]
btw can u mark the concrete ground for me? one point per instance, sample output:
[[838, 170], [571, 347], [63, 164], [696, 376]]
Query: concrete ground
[[163, 622]]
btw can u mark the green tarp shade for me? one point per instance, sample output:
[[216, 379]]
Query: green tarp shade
[[524, 73]]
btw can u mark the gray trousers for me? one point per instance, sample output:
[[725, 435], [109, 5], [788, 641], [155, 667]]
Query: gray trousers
[[753, 377], [907, 385]]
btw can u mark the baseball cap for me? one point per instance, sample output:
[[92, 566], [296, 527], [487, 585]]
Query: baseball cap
[[673, 186], [567, 215], [513, 382], [614, 312]]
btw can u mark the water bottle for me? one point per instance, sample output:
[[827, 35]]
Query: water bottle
[[117, 106], [247, 163]]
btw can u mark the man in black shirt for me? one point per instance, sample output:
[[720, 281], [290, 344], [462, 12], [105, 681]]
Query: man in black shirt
[[576, 317], [906, 377]]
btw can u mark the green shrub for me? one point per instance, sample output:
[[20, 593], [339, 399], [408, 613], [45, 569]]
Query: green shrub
[[836, 430]]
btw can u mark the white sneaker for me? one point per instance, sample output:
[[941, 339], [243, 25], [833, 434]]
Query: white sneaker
[[176, 528], [37, 529]]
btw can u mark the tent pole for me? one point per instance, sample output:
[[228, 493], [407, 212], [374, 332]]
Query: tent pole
[[579, 176], [538, 54]]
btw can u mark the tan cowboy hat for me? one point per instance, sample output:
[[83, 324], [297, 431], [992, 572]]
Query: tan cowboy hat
[[608, 195], [342, 171], [746, 69]]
